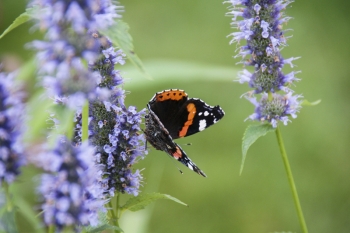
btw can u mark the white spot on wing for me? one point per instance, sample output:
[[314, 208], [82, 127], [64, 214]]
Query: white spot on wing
[[189, 166], [202, 125], [200, 113], [206, 113]]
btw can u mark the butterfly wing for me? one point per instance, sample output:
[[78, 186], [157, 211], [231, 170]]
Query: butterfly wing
[[160, 139], [173, 115], [199, 117], [180, 155], [182, 116]]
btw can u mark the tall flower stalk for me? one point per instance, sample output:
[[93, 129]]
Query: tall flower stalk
[[259, 24], [115, 128], [77, 68]]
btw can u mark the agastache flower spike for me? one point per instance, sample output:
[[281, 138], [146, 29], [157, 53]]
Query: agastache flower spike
[[11, 117], [114, 128], [277, 102], [73, 39], [261, 27], [69, 44], [71, 188]]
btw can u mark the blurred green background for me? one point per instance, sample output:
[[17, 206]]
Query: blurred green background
[[183, 44]]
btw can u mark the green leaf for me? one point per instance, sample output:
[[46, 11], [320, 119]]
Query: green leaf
[[119, 35], [8, 222], [307, 103], [39, 119], [104, 227], [23, 18], [27, 71], [30, 215], [38, 113], [66, 124], [251, 134], [142, 200]]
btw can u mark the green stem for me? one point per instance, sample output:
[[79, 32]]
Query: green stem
[[85, 122], [117, 207], [8, 196], [291, 181], [51, 228], [269, 96], [114, 212], [70, 126]]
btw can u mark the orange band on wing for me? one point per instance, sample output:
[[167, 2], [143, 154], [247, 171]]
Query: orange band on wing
[[191, 108], [171, 95], [177, 154]]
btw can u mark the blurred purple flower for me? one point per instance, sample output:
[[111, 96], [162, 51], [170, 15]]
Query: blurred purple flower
[[11, 127], [71, 41], [72, 185]]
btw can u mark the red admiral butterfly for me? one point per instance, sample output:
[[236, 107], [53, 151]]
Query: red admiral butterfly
[[173, 115]]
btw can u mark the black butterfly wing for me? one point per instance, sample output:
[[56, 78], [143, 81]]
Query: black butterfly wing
[[185, 116], [158, 136], [169, 107], [181, 156], [200, 116]]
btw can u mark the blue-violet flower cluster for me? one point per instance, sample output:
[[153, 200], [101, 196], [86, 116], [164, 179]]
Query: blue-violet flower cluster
[[261, 27], [115, 129], [71, 188], [76, 65], [69, 45], [73, 40], [11, 118]]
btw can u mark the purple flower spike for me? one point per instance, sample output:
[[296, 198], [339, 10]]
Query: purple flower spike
[[115, 129], [261, 27], [118, 143], [72, 187], [72, 41], [77, 63], [11, 117]]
